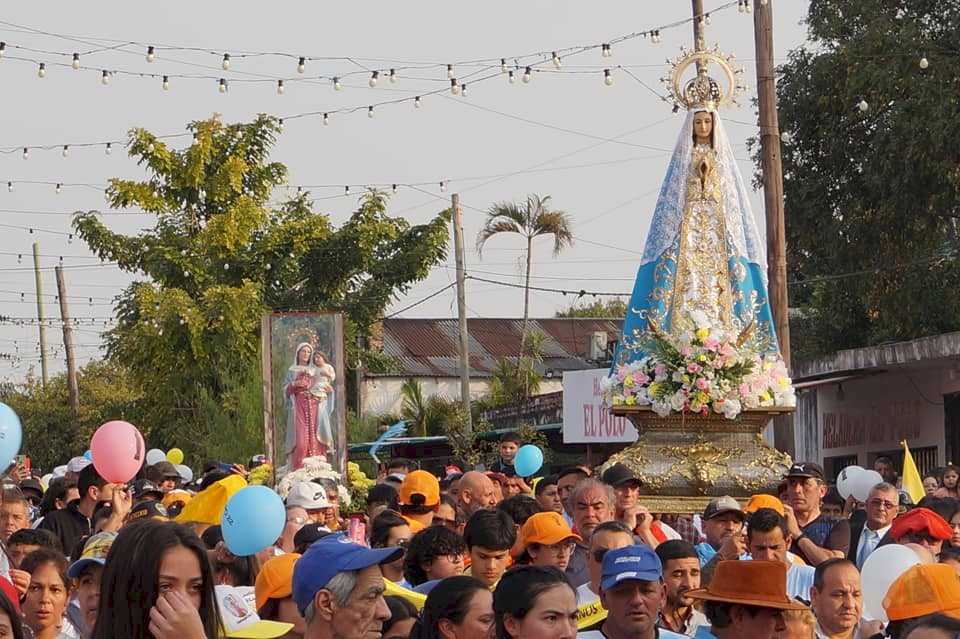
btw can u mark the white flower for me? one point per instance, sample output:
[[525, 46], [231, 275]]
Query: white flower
[[677, 400], [677, 377], [731, 408], [700, 319], [662, 408]]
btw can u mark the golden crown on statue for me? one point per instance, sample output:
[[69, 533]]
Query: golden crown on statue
[[702, 91]]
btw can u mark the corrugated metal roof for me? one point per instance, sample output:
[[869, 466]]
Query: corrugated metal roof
[[428, 347]]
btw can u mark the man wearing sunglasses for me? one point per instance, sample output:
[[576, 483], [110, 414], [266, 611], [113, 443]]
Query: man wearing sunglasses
[[882, 506], [609, 535], [921, 526]]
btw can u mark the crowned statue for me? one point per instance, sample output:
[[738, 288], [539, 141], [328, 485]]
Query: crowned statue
[[698, 369]]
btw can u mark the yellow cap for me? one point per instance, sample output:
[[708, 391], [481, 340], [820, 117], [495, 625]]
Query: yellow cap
[[545, 528]]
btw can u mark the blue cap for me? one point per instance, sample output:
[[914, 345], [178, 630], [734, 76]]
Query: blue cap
[[328, 556], [637, 562]]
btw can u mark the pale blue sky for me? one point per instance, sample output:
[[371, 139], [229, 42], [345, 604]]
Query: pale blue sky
[[552, 129]]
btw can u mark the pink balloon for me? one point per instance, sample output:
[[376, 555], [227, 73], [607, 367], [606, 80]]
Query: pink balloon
[[118, 451]]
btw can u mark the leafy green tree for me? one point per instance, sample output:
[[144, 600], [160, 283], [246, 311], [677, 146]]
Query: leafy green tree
[[531, 219], [610, 309], [425, 415], [871, 177], [51, 433], [220, 255]]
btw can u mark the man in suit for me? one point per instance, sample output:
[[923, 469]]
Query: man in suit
[[881, 508]]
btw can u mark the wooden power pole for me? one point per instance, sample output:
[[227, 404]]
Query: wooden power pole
[[72, 389], [772, 173], [462, 310], [40, 318], [698, 24]]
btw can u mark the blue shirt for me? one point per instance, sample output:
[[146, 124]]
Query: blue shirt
[[706, 552]]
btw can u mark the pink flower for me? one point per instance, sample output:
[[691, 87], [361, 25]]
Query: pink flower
[[727, 350], [744, 390], [711, 344], [703, 384], [693, 368], [686, 351], [660, 369], [641, 378]]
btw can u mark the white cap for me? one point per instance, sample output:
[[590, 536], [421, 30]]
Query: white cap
[[59, 471], [240, 619], [77, 464], [308, 495]]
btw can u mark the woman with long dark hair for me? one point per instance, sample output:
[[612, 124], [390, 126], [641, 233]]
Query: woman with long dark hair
[[535, 602], [157, 584], [458, 608], [10, 625]]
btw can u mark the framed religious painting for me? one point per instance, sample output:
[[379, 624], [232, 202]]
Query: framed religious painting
[[304, 391]]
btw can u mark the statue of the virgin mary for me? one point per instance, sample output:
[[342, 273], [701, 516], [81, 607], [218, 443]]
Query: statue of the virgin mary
[[703, 257]]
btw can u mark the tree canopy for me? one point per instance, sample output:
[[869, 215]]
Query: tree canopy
[[872, 172], [221, 254]]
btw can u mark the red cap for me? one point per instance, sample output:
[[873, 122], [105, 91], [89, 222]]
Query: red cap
[[921, 520], [6, 587]]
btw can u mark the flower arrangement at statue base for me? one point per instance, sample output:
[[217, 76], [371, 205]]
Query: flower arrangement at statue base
[[314, 468], [703, 371]]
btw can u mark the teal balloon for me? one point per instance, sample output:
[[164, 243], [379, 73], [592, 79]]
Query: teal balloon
[[528, 460], [11, 436], [88, 455], [252, 520]]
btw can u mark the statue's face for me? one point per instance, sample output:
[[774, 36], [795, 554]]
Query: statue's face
[[303, 356], [702, 125]]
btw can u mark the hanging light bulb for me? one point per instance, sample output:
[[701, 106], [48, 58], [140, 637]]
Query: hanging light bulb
[[226, 62], [606, 51], [346, 190], [223, 85], [706, 19], [747, 6], [151, 54], [863, 106], [556, 60], [302, 65], [740, 6], [10, 186], [70, 239], [3, 48], [527, 75], [326, 119], [393, 76], [105, 77], [607, 77], [454, 86], [503, 65], [279, 87], [336, 84], [511, 78], [26, 153], [370, 111], [450, 74], [394, 188], [416, 102], [66, 150], [443, 187], [924, 63], [463, 89], [108, 148], [76, 61], [166, 83], [373, 79], [59, 188], [280, 125], [42, 71]]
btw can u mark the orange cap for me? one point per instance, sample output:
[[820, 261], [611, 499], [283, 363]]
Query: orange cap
[[275, 579], [415, 526], [922, 590], [763, 501], [422, 483], [545, 528]]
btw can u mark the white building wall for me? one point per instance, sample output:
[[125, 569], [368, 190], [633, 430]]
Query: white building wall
[[382, 394]]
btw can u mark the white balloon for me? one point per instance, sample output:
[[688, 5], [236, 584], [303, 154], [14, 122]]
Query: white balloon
[[185, 473], [59, 471], [45, 480], [845, 479], [881, 569], [155, 456], [862, 483]]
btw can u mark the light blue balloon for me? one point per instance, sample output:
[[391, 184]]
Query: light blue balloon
[[252, 520], [528, 460], [88, 455], [11, 436]]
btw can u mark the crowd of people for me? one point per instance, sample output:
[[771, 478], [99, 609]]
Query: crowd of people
[[471, 555]]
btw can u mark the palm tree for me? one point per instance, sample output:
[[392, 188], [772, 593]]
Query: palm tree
[[531, 219]]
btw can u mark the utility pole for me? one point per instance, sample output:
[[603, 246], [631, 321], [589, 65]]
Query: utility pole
[[698, 24], [772, 173], [462, 311], [40, 320], [72, 389]]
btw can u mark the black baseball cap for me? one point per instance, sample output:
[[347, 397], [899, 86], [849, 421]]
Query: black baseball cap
[[569, 470], [618, 475], [805, 469], [148, 509], [31, 487], [309, 534], [144, 487]]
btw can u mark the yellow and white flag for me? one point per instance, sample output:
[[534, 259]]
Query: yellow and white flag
[[911, 482]]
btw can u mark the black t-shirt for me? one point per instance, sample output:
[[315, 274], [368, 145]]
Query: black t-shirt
[[827, 532], [502, 467]]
